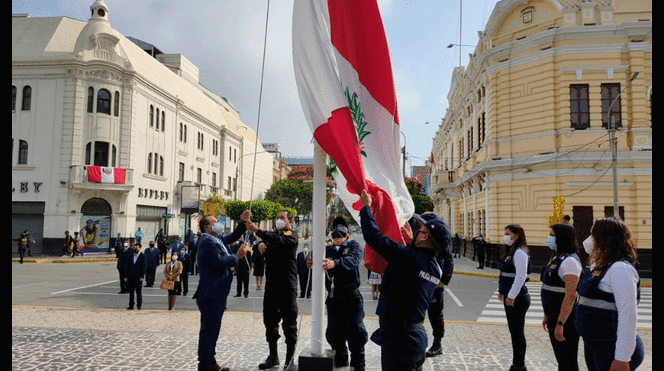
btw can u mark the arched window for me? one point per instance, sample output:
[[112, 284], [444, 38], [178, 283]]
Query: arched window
[[163, 120], [116, 104], [149, 163], [157, 125], [13, 98], [151, 116], [22, 152], [27, 98], [104, 101], [181, 132], [91, 99], [161, 165]]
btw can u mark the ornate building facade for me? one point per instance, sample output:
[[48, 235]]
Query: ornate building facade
[[86, 97], [527, 120]]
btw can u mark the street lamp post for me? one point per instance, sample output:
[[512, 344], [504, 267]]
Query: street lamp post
[[614, 148]]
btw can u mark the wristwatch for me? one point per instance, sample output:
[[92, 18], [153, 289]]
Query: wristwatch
[[561, 323]]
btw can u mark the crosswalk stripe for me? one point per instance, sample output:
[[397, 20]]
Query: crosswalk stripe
[[494, 309]]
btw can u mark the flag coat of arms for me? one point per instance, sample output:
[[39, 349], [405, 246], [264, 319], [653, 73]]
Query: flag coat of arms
[[344, 78], [101, 174]]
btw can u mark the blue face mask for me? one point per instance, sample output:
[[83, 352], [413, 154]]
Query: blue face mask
[[551, 242]]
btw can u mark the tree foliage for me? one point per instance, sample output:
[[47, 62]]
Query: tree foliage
[[292, 194]]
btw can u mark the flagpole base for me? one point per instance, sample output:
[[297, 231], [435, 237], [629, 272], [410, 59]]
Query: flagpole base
[[316, 362]]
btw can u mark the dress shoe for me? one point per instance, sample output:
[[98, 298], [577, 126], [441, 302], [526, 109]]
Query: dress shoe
[[270, 362], [435, 350], [216, 367]]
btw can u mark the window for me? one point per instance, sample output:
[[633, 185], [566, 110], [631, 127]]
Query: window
[[181, 132], [214, 179], [201, 139], [230, 153], [157, 123], [579, 107], [13, 98], [149, 163], [101, 151], [235, 155], [27, 98], [163, 120], [229, 183], [91, 99], [116, 106], [199, 175], [104, 101], [609, 93], [151, 116], [161, 165], [22, 152], [181, 172]]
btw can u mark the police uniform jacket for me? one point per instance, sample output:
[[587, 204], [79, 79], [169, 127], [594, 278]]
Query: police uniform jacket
[[345, 276], [280, 267], [408, 283], [214, 262]]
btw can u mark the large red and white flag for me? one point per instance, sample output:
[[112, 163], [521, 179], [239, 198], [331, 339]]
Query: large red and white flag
[[101, 174], [344, 78]]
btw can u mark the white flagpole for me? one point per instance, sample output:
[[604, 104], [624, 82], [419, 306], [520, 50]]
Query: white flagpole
[[318, 251]]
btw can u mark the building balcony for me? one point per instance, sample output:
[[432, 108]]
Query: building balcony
[[78, 178], [442, 179]]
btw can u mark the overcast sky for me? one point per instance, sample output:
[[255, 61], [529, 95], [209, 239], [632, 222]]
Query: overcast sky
[[224, 39]]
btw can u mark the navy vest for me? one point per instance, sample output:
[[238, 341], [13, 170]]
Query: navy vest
[[508, 274], [596, 311], [553, 287]]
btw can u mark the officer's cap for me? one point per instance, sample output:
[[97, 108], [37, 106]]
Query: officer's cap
[[438, 230], [339, 231]]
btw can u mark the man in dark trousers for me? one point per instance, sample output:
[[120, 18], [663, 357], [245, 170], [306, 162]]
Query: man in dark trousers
[[242, 271], [280, 298], [215, 261], [184, 277], [137, 264], [304, 272], [121, 265], [409, 280], [153, 257], [345, 306]]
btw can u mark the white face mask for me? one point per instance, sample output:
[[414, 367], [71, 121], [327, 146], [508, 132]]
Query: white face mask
[[507, 239], [174, 258], [280, 224], [589, 244], [218, 228]]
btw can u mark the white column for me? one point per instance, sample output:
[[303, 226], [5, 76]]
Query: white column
[[318, 251]]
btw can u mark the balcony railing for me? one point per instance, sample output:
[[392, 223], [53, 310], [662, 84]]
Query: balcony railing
[[78, 178]]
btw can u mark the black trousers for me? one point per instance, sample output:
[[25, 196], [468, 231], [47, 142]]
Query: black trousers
[[566, 351], [435, 313], [123, 284], [135, 285], [345, 324], [280, 306], [243, 280], [516, 320], [150, 273]]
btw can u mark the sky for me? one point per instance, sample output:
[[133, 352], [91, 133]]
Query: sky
[[225, 40]]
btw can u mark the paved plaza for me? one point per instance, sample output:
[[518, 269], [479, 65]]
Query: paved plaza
[[45, 338]]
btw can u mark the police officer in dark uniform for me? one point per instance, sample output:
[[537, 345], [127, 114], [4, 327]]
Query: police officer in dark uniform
[[280, 298], [345, 305], [409, 280]]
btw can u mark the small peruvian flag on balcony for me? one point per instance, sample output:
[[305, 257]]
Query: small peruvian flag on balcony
[[101, 174]]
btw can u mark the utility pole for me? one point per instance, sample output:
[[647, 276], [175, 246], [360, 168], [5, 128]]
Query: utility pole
[[614, 148]]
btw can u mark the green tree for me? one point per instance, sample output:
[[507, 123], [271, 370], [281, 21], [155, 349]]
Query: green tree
[[422, 202], [292, 194], [260, 210]]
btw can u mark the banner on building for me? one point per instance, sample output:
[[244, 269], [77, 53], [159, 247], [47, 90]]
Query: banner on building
[[101, 174]]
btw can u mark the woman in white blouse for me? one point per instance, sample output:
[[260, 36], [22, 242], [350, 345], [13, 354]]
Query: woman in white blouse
[[608, 294]]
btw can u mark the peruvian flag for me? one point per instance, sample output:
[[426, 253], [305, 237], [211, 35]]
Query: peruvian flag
[[101, 174], [344, 78]]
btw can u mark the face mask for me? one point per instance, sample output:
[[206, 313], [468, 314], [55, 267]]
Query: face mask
[[174, 258], [551, 242], [507, 239], [218, 228], [280, 224], [589, 244]]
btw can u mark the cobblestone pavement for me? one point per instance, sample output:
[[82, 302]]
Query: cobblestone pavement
[[45, 338]]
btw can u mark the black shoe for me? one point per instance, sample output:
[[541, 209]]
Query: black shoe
[[515, 368], [269, 363], [130, 308], [435, 350], [236, 296]]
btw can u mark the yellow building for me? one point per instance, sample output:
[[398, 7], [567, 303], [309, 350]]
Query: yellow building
[[527, 121]]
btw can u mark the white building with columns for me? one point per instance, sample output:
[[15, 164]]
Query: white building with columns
[[85, 95]]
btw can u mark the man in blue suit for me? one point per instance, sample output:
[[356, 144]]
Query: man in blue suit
[[136, 266], [215, 260]]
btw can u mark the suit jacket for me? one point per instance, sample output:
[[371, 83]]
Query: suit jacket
[[215, 259], [136, 269]]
